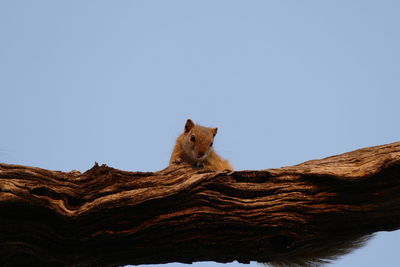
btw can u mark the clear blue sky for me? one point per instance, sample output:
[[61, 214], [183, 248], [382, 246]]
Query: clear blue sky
[[114, 82]]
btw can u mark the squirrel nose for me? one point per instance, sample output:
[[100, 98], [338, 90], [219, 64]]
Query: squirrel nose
[[200, 154]]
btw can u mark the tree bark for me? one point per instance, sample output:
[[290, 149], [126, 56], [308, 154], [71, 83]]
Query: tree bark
[[109, 217]]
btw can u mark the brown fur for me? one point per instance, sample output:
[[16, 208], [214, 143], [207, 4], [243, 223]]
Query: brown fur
[[194, 146], [320, 256]]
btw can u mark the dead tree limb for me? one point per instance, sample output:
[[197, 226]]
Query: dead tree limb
[[109, 217]]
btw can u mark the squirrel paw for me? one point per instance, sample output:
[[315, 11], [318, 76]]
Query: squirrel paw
[[177, 161], [200, 164]]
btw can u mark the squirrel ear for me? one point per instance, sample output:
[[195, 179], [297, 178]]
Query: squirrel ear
[[215, 130], [189, 125]]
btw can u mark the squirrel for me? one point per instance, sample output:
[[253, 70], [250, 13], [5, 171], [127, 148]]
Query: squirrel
[[195, 147]]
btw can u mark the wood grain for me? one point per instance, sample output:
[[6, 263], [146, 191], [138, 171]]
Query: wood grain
[[110, 217]]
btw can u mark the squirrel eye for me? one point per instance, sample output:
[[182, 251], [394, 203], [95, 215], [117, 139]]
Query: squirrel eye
[[192, 138], [211, 144]]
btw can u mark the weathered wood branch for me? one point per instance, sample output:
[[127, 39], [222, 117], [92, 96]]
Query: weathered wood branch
[[109, 217]]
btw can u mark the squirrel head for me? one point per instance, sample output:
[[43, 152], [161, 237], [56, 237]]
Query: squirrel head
[[198, 141]]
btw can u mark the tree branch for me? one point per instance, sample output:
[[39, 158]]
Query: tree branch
[[109, 217]]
